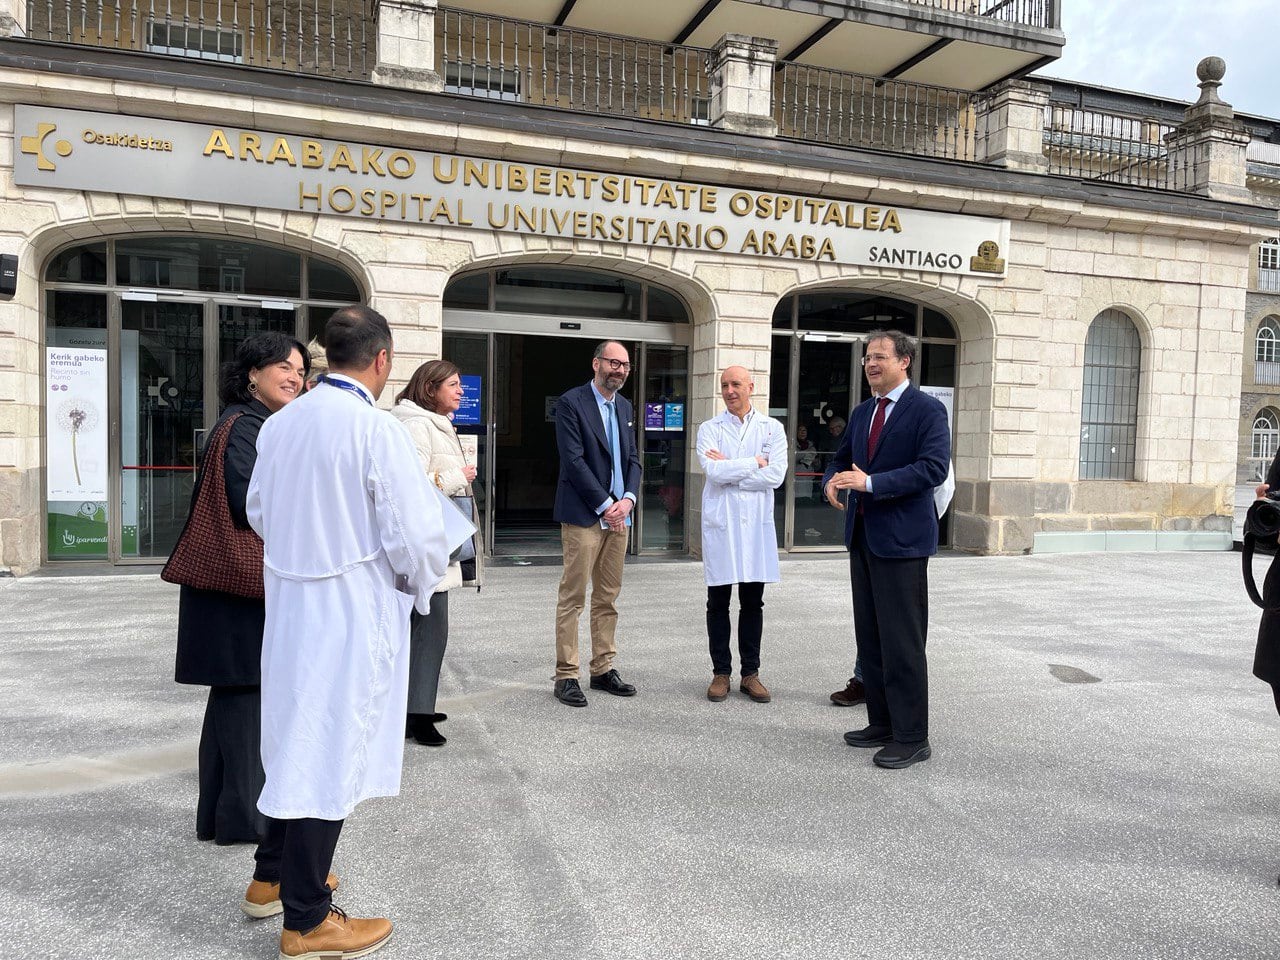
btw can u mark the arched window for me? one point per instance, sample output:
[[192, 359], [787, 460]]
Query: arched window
[[1266, 435], [564, 292], [1109, 413], [1266, 346]]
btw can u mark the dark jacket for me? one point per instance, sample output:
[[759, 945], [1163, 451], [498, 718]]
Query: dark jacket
[[585, 465], [1266, 658], [912, 457], [219, 634]]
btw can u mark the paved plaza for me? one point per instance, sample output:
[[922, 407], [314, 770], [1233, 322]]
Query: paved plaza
[[1104, 781]]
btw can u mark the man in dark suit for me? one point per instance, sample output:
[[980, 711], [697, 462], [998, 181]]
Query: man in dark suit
[[595, 495], [895, 451]]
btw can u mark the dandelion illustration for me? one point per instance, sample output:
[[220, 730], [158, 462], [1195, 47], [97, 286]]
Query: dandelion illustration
[[75, 415]]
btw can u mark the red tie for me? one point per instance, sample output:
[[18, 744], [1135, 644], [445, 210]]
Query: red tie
[[877, 424]]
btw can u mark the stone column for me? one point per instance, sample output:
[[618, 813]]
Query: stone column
[[1207, 150], [742, 84], [406, 45], [1010, 127], [13, 18]]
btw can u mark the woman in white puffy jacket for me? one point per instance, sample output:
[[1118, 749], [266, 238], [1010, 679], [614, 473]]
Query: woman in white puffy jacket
[[423, 406]]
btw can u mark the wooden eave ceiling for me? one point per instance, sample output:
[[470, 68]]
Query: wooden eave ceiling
[[804, 38]]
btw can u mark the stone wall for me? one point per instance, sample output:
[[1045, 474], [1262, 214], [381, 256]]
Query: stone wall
[[1254, 396]]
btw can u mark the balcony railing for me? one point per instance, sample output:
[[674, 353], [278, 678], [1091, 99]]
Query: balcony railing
[[830, 106], [1266, 373], [1033, 13], [325, 37], [528, 62], [1268, 280], [1108, 147]]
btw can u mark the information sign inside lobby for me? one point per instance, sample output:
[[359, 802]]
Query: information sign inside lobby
[[109, 153]]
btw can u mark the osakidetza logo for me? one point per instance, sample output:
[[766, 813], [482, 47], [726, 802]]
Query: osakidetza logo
[[35, 146]]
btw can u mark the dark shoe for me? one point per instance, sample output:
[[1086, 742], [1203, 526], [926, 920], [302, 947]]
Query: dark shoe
[[899, 755], [719, 689], [422, 727], [852, 695], [612, 683], [568, 691], [753, 688], [869, 737]]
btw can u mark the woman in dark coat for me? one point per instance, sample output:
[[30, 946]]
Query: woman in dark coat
[[1266, 659], [220, 634]]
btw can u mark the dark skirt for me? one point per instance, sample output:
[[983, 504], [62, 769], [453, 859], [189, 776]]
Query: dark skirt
[[231, 774], [219, 638]]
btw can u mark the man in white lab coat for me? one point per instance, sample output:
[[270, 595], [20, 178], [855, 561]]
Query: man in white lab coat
[[744, 455], [353, 539]]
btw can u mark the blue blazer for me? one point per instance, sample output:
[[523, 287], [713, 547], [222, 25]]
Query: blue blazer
[[585, 466], [912, 457]]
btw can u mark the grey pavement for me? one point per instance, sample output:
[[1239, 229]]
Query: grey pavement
[[1133, 817]]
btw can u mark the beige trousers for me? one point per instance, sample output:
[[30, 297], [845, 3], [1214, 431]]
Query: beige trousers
[[596, 556]]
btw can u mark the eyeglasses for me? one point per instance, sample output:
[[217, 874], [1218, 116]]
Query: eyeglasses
[[877, 358], [615, 365]]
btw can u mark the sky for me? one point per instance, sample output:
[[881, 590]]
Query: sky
[[1153, 46]]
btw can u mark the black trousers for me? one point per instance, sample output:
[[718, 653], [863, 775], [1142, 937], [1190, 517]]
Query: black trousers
[[230, 767], [428, 636], [890, 623], [750, 626], [297, 854]]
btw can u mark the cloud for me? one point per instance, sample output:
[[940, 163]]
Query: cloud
[[1153, 46]]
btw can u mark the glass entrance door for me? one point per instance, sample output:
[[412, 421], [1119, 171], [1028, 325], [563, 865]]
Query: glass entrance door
[[162, 403], [830, 387], [661, 409], [517, 379]]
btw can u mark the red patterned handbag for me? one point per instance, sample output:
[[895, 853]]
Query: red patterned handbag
[[213, 553]]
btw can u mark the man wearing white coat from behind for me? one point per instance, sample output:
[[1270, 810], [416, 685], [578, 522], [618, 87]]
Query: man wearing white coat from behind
[[744, 456], [335, 650]]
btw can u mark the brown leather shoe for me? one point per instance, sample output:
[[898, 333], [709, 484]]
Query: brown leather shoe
[[754, 689], [262, 899], [338, 937], [719, 689], [852, 695]]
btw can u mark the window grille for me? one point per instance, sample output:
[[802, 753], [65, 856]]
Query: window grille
[[477, 80], [205, 43], [1109, 412]]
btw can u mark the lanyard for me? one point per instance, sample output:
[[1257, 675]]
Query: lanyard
[[343, 385]]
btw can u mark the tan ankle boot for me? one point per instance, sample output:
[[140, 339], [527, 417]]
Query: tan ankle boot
[[338, 937], [754, 689], [719, 689], [262, 899]]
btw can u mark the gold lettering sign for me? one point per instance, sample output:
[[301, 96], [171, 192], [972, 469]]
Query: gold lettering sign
[[385, 183]]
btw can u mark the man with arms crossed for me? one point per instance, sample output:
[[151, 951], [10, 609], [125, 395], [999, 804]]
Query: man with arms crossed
[[335, 648], [895, 450], [596, 492], [744, 456]]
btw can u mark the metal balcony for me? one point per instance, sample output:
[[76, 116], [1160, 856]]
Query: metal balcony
[[334, 38]]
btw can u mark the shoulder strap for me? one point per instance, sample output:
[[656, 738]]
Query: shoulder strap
[[1246, 563]]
